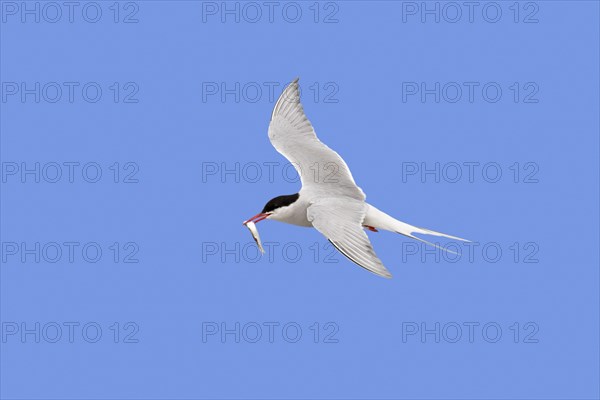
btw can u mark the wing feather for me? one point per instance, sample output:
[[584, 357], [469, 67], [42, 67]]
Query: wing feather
[[340, 221], [322, 170]]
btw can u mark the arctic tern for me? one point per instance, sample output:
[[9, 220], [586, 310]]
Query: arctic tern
[[333, 205]]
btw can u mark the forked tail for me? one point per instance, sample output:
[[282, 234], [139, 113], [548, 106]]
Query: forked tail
[[380, 220]]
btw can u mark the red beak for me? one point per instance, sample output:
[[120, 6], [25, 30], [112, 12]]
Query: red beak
[[257, 218]]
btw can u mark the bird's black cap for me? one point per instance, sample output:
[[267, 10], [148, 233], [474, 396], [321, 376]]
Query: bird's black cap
[[280, 201]]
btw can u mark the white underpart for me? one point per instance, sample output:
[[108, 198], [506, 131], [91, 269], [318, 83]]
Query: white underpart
[[329, 200]]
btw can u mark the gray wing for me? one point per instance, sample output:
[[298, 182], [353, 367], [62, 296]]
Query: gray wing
[[322, 170], [340, 221]]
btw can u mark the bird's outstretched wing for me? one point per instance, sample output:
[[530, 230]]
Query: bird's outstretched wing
[[340, 221], [322, 170]]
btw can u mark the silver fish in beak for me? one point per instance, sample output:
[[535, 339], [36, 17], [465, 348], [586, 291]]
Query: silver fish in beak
[[252, 227]]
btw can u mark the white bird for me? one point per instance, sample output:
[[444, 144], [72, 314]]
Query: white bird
[[332, 203]]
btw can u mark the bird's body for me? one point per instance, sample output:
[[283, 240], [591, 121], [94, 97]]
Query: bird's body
[[330, 201], [297, 214]]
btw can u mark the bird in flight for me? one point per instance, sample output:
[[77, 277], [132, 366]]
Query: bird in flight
[[331, 203]]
